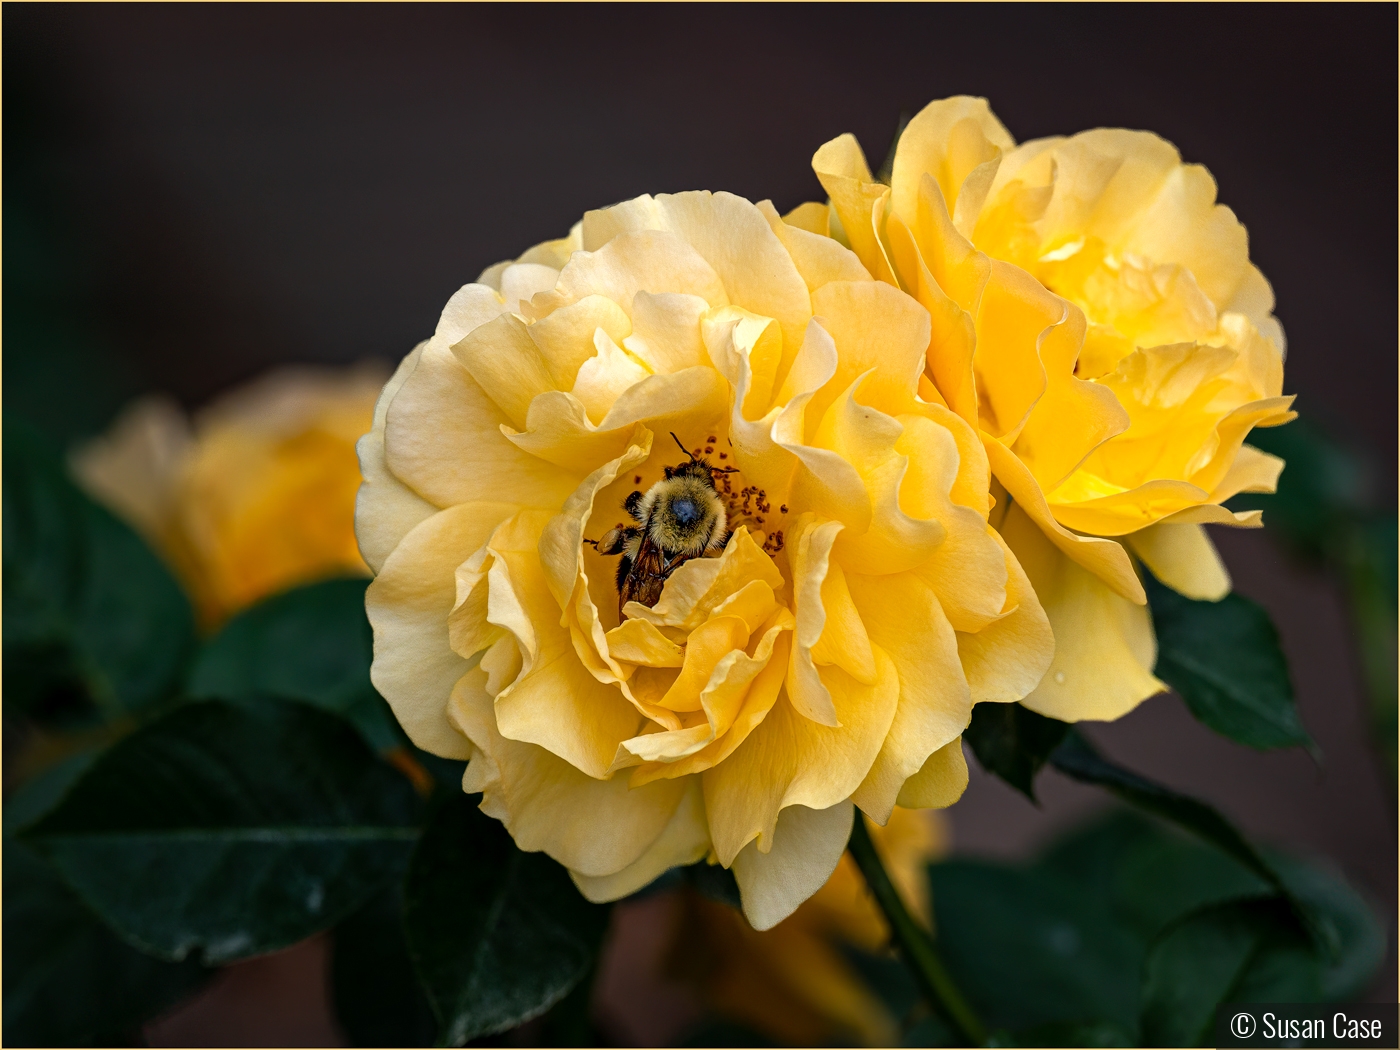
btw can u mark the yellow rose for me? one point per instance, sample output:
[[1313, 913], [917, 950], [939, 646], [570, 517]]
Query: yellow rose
[[1097, 318], [793, 982], [826, 654], [257, 497]]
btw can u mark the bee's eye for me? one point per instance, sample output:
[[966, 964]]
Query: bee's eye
[[685, 511]]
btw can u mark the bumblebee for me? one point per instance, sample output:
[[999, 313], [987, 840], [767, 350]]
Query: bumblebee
[[679, 518]]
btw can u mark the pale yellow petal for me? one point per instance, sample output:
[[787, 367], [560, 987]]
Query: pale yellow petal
[[593, 827], [443, 439], [556, 702], [804, 852], [841, 168], [1104, 646], [1183, 557], [940, 782], [791, 760], [666, 331], [506, 363], [685, 840], [947, 139], [408, 604], [565, 338], [818, 258], [385, 508], [642, 261]]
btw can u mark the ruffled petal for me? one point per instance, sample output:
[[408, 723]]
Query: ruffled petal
[[1105, 558], [443, 439], [593, 827], [906, 621], [791, 760], [1104, 646], [1183, 557], [940, 782], [685, 840], [1006, 659], [803, 854], [408, 604], [385, 508]]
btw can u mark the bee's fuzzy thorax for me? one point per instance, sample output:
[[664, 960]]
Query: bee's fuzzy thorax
[[671, 531]]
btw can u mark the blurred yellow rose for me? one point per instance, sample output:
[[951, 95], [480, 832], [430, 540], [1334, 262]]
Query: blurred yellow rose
[[793, 982], [1097, 318], [257, 496], [848, 607]]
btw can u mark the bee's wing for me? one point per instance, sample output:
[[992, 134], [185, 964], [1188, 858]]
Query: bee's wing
[[646, 577]]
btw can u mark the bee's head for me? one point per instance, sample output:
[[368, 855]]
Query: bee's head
[[687, 516]]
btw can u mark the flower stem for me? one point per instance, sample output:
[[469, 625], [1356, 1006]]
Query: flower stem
[[915, 943]]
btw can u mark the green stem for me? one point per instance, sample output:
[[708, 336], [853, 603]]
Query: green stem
[[914, 941]]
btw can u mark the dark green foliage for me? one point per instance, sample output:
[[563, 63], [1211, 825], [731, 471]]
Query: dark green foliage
[[1224, 659], [378, 1000], [92, 616], [225, 832], [1013, 742], [1125, 931], [70, 981], [311, 644], [498, 936]]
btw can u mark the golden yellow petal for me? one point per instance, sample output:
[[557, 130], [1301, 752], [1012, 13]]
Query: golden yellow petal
[[1104, 646], [940, 782], [1006, 659], [1183, 557], [906, 622], [1105, 558]]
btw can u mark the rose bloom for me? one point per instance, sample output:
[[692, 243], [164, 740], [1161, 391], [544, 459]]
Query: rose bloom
[[825, 655], [1097, 319], [257, 496]]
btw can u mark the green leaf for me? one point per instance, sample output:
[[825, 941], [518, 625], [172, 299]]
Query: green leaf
[[1224, 659], [312, 644], [1323, 484], [70, 981], [35, 797], [1078, 760], [224, 832], [1352, 925], [1145, 873], [1030, 950], [85, 600], [498, 936], [378, 1000], [1241, 951], [1013, 742]]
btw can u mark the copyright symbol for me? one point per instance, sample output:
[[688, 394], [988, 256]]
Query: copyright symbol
[[1242, 1025]]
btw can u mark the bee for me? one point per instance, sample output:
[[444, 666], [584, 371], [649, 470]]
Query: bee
[[679, 518]]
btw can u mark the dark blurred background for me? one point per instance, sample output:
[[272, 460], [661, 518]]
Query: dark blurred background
[[193, 194]]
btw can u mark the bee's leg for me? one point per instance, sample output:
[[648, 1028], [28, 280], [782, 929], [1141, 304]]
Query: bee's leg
[[624, 567], [630, 505], [613, 541]]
